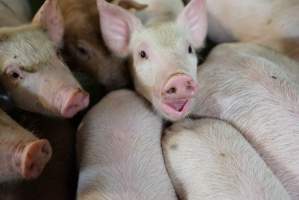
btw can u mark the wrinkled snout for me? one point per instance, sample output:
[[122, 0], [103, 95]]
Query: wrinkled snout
[[72, 101], [177, 94]]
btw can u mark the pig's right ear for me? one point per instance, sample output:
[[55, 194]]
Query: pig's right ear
[[50, 18], [117, 26]]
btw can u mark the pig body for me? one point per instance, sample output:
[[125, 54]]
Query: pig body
[[208, 159], [22, 155], [162, 53], [14, 12], [119, 151], [271, 23], [32, 71], [256, 89]]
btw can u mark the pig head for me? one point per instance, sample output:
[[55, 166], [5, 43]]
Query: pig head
[[32, 70], [22, 155], [164, 63]]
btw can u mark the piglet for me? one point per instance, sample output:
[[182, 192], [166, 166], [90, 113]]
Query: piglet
[[273, 24], [32, 70], [22, 155], [119, 151], [164, 63], [208, 159], [256, 90]]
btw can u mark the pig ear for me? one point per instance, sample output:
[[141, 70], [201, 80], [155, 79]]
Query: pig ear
[[50, 18], [117, 26], [193, 19]]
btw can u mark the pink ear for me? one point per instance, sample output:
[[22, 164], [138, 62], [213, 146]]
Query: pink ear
[[117, 26], [50, 18], [194, 21]]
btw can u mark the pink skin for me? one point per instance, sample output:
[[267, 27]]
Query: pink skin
[[177, 94]]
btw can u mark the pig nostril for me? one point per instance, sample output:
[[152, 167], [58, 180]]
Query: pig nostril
[[189, 87], [171, 90]]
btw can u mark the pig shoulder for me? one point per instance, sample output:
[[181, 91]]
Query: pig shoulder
[[210, 159]]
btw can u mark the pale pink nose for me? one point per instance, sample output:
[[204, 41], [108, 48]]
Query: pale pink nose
[[74, 100], [179, 86]]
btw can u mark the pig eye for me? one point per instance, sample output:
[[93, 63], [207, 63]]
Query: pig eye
[[143, 54], [83, 52], [190, 50], [58, 53], [14, 72]]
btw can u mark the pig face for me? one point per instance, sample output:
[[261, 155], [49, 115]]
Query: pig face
[[164, 64], [85, 50], [32, 71]]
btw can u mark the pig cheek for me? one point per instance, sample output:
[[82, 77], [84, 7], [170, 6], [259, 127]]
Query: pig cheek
[[146, 79], [31, 94], [26, 95], [190, 67]]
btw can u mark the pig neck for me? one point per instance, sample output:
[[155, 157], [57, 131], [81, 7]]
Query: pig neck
[[8, 16]]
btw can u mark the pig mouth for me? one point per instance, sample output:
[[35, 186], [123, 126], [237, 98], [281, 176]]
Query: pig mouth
[[176, 108], [177, 105]]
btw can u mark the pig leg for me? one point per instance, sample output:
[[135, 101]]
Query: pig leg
[[208, 159], [22, 154], [119, 152]]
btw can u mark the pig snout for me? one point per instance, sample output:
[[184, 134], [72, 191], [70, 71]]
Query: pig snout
[[30, 158], [177, 94], [34, 158], [72, 101]]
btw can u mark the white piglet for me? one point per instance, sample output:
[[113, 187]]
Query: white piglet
[[257, 90], [208, 159], [164, 63], [119, 152]]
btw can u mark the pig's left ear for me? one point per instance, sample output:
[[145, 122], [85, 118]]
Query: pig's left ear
[[50, 18], [193, 19]]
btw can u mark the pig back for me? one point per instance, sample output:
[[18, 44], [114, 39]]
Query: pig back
[[119, 151], [256, 89], [208, 159]]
